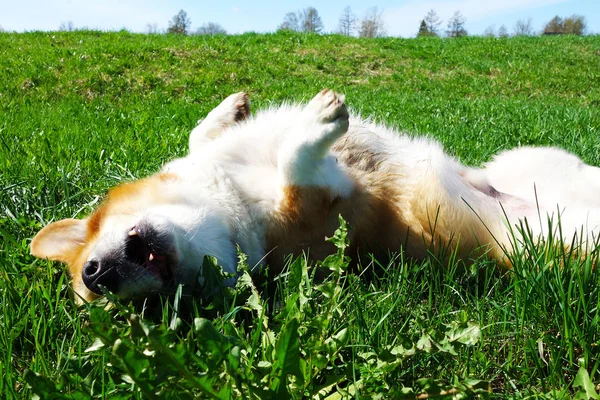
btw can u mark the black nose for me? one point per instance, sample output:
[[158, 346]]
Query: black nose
[[97, 273]]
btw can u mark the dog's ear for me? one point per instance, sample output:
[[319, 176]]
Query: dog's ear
[[60, 240]]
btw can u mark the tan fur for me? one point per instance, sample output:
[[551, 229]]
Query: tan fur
[[381, 219], [300, 223], [131, 196], [419, 219], [122, 199], [60, 241]]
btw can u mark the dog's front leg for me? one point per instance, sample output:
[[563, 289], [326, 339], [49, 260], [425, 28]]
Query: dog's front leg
[[232, 110], [304, 160]]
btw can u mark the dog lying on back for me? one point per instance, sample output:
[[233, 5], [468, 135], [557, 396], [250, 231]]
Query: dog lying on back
[[274, 184]]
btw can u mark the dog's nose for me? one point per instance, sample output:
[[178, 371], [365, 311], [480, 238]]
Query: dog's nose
[[97, 273]]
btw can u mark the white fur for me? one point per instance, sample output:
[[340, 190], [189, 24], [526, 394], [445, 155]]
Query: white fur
[[287, 139], [547, 184], [558, 177]]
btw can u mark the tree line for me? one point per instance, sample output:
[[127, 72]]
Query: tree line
[[372, 25], [308, 20]]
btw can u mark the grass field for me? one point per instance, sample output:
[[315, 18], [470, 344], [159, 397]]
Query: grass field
[[83, 111]]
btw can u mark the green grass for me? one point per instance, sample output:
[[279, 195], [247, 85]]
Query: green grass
[[83, 111]]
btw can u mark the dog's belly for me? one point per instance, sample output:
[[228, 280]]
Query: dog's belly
[[418, 207], [379, 211], [311, 215]]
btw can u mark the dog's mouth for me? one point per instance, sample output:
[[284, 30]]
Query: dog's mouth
[[146, 250]]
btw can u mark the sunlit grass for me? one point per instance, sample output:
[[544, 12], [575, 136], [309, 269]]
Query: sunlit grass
[[81, 112]]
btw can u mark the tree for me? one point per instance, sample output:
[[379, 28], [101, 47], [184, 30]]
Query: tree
[[211, 28], [372, 24], [554, 27], [290, 22], [523, 27], [502, 31], [456, 26], [180, 24], [152, 28], [66, 26], [307, 20], [423, 31], [573, 25], [348, 22], [490, 31], [433, 23], [311, 21]]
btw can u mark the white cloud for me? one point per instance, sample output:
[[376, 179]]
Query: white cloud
[[404, 20]]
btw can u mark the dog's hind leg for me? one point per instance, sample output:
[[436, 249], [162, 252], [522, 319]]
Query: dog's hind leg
[[310, 183], [231, 111], [304, 160]]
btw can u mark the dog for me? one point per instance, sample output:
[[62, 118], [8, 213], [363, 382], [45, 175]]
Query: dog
[[275, 183]]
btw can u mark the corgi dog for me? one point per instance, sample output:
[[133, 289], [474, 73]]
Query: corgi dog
[[275, 183]]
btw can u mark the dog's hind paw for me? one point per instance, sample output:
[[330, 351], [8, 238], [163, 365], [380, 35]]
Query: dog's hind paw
[[328, 106], [304, 159]]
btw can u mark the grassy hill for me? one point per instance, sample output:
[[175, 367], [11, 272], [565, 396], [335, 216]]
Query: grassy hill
[[83, 111]]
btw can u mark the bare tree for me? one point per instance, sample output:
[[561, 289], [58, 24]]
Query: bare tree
[[211, 29], [307, 20], [290, 22], [180, 23], [456, 26], [348, 22], [523, 27], [66, 26], [372, 24], [490, 31], [152, 28], [311, 21], [433, 23], [502, 31]]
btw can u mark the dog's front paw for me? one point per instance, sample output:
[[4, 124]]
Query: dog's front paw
[[233, 109], [329, 107]]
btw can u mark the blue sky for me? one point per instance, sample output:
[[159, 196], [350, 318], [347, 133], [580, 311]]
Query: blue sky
[[401, 17]]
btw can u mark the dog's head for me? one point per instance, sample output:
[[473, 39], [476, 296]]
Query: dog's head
[[146, 237]]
